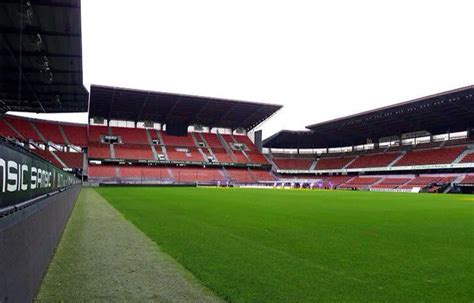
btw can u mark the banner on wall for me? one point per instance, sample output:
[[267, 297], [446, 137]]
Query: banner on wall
[[24, 176]]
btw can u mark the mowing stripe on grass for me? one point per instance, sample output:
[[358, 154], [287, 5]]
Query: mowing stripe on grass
[[103, 257]]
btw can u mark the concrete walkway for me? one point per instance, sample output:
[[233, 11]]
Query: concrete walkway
[[102, 258]]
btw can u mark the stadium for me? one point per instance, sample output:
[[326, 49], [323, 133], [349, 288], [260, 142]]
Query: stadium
[[179, 198]]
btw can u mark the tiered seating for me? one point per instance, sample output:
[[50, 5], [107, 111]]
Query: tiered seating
[[293, 163], [50, 132], [147, 172], [96, 131], [245, 140], [229, 139], [6, 131], [131, 135], [133, 152], [46, 154], [240, 157], [177, 140], [222, 155], [193, 154], [102, 171], [430, 156], [391, 182], [262, 175], [256, 157], [99, 151], [423, 181], [239, 175], [72, 160], [359, 182], [193, 175], [76, 134], [469, 158], [212, 140], [332, 181], [333, 163], [24, 128], [374, 160], [468, 179]]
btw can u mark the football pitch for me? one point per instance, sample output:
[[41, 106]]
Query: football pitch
[[251, 245]]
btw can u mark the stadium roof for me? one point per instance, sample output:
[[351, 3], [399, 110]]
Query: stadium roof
[[444, 112], [41, 56], [114, 103]]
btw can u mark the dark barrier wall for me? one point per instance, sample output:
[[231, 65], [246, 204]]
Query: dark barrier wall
[[24, 176], [36, 199], [28, 239]]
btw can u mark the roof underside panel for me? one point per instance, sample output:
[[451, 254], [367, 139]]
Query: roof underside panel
[[445, 112], [41, 57], [113, 103]]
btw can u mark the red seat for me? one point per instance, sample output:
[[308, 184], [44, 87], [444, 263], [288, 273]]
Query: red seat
[[391, 182], [293, 164], [239, 175], [24, 127], [46, 155], [469, 179], [133, 152], [423, 181], [222, 155], [359, 182], [131, 135], [50, 132], [95, 132], [76, 134], [212, 140], [99, 151], [6, 131], [374, 160], [177, 140], [148, 172], [430, 156], [184, 154], [193, 175], [262, 175], [469, 158], [102, 171], [72, 160], [240, 157], [333, 163]]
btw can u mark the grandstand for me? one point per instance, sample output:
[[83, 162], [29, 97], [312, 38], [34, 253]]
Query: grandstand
[[123, 146], [425, 144], [173, 139]]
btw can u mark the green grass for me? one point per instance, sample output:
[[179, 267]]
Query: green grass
[[301, 246]]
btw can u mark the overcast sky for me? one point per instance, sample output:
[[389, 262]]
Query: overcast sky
[[320, 59]]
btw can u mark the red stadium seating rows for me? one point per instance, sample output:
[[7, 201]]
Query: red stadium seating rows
[[359, 182], [423, 181], [469, 179], [374, 160], [133, 152], [469, 158], [212, 140], [179, 174], [333, 163], [391, 183], [287, 163], [70, 159], [430, 156], [131, 135]]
